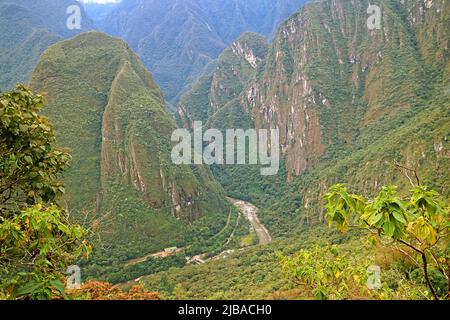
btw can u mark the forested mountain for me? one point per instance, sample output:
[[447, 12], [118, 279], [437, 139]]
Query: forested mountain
[[358, 90], [177, 39], [108, 110], [27, 28], [214, 98], [348, 101]]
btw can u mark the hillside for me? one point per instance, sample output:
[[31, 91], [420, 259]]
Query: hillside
[[349, 102], [25, 34], [108, 110], [178, 39], [358, 208], [214, 98]]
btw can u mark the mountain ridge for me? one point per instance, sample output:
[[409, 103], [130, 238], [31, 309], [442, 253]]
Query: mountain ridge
[[348, 102], [25, 34], [178, 39], [121, 148]]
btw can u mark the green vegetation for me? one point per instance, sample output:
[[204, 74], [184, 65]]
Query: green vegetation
[[349, 104], [37, 245], [122, 182], [379, 99], [367, 108], [37, 241], [421, 224], [250, 273], [27, 28], [179, 41], [30, 163]]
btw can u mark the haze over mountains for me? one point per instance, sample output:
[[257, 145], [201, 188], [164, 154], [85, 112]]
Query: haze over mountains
[[177, 39], [27, 28], [349, 103]]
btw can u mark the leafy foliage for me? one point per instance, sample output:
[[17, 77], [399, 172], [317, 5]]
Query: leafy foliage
[[328, 273], [37, 240], [420, 223], [36, 247], [29, 160]]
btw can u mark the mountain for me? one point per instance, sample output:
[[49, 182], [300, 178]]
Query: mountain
[[349, 103], [98, 11], [108, 110], [27, 28], [214, 98], [178, 39]]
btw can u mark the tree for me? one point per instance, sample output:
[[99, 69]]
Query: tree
[[36, 246], [29, 160], [419, 222], [37, 242]]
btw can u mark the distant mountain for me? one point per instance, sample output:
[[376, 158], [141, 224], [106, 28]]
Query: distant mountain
[[27, 28], [108, 110], [177, 39], [348, 101], [214, 97], [98, 11]]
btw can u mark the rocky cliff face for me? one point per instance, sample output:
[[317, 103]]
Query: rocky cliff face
[[177, 39], [109, 111], [329, 79], [349, 100], [214, 98]]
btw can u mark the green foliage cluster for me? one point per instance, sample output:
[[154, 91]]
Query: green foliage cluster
[[250, 273], [37, 240], [37, 245], [29, 160], [118, 273], [328, 273], [420, 223]]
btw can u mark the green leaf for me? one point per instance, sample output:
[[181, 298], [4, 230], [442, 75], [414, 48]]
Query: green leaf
[[58, 285], [376, 218], [399, 217], [389, 228], [29, 288]]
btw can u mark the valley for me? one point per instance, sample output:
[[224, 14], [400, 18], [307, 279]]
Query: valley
[[93, 149], [251, 214], [248, 210]]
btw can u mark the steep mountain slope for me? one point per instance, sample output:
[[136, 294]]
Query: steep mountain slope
[[178, 39], [349, 102], [214, 98], [27, 28], [109, 111], [325, 64]]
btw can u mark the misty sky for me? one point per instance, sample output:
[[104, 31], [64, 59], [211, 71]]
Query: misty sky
[[99, 1]]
